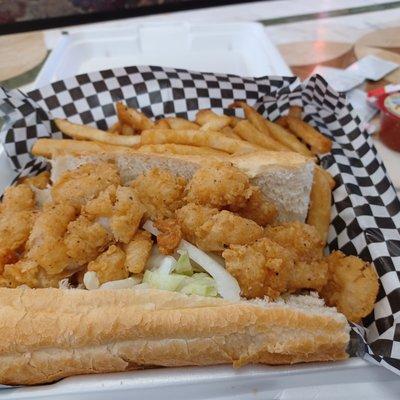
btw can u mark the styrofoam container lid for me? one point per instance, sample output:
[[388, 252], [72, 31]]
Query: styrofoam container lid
[[235, 48]]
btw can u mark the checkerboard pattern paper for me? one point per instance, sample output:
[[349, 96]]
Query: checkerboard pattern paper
[[366, 210]]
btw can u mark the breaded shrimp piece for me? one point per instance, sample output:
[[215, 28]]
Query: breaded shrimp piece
[[170, 235], [16, 217], [213, 230], [301, 239], [85, 240], [15, 228], [28, 272], [102, 205], [160, 192], [261, 268], [127, 213], [46, 244], [18, 198], [312, 275], [258, 209], [110, 265], [7, 257], [352, 286], [138, 251], [218, 184], [39, 181], [80, 185], [191, 217], [226, 228]]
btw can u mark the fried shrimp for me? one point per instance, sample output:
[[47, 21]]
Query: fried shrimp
[[85, 240], [160, 192], [258, 209], [46, 244], [127, 213], [301, 239], [39, 181], [16, 221], [138, 251], [218, 184], [191, 216], [261, 268], [110, 265], [80, 185], [170, 235], [102, 205], [213, 230], [352, 286]]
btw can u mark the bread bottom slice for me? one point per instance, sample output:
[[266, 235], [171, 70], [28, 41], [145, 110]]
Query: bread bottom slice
[[48, 334]]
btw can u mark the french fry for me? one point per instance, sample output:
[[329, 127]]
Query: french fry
[[253, 116], [319, 143], [209, 120], [235, 121], [295, 111], [319, 213], [228, 131], [127, 130], [115, 128], [285, 137], [184, 149], [86, 132], [162, 124], [248, 132], [282, 121], [273, 130], [196, 138], [328, 177], [181, 123], [137, 120], [49, 148]]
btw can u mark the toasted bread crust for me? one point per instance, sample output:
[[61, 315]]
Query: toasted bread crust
[[47, 334]]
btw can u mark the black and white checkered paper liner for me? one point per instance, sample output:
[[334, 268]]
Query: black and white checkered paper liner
[[366, 210]]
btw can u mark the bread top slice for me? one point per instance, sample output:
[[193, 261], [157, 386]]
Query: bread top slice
[[285, 178], [109, 316]]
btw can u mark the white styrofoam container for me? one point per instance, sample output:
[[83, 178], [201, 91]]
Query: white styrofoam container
[[235, 48], [319, 381]]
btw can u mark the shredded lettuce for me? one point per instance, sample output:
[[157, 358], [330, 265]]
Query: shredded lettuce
[[160, 280], [226, 285], [200, 284], [183, 265]]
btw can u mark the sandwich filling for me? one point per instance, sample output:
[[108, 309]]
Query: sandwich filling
[[216, 235]]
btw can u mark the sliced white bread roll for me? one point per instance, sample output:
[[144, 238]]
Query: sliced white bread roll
[[285, 178], [82, 332]]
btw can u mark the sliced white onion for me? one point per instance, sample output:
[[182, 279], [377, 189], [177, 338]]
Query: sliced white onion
[[127, 283], [167, 265], [155, 259], [91, 281], [227, 285]]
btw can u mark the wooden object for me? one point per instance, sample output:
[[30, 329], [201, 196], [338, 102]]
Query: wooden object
[[20, 53], [303, 57]]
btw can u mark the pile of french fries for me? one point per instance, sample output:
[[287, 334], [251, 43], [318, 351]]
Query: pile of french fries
[[209, 135]]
